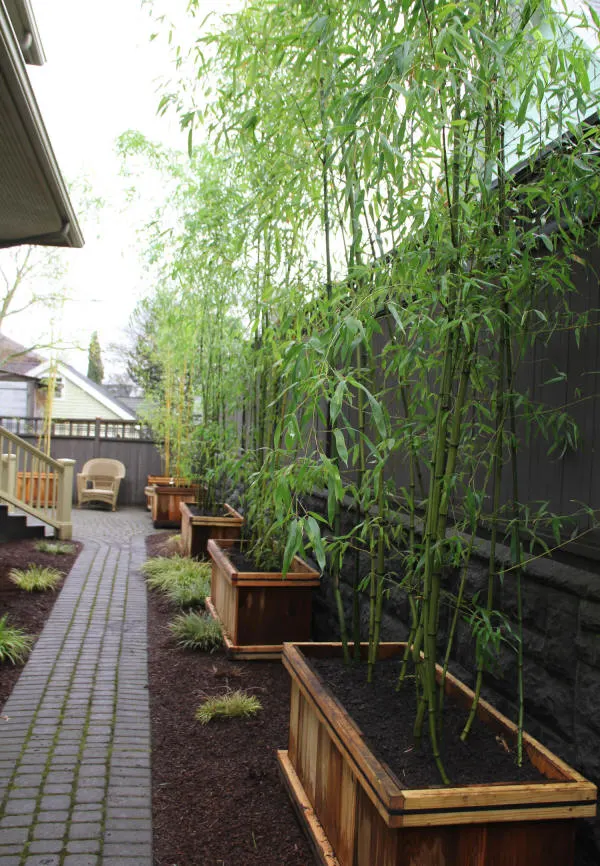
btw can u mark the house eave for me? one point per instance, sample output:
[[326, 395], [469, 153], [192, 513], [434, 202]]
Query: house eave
[[34, 202], [26, 30]]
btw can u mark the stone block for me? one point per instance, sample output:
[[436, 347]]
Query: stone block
[[589, 616], [587, 696], [548, 699]]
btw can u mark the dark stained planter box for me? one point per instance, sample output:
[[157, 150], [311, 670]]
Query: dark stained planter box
[[356, 812], [166, 504], [197, 529], [260, 610]]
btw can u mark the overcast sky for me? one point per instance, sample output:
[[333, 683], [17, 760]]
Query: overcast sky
[[100, 79]]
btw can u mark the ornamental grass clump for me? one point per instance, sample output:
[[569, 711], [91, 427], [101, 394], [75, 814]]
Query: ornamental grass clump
[[197, 631], [168, 573], [36, 578], [188, 595], [15, 644], [60, 548], [232, 705]]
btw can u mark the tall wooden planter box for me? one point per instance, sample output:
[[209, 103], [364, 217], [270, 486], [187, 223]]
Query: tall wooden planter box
[[357, 813], [197, 529], [34, 487], [166, 504], [259, 610]]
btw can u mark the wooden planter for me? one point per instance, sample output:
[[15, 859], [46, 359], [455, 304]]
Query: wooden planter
[[166, 503], [197, 529], [259, 611], [356, 812], [162, 480], [34, 487]]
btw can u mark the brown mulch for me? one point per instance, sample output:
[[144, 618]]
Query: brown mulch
[[217, 799], [26, 610]]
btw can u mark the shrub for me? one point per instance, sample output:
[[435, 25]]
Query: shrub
[[197, 631], [238, 704], [164, 573], [15, 644], [60, 547], [36, 578], [189, 594]]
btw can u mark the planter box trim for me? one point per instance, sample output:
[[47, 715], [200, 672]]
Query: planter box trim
[[299, 575], [569, 795]]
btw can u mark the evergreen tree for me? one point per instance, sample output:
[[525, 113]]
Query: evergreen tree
[[95, 366]]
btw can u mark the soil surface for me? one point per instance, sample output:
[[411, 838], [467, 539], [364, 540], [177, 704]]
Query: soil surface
[[217, 796], [26, 610], [216, 511], [386, 716]]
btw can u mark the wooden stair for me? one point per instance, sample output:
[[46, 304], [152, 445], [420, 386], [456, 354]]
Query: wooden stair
[[14, 527]]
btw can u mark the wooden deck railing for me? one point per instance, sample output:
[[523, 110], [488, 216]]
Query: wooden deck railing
[[35, 483], [79, 428]]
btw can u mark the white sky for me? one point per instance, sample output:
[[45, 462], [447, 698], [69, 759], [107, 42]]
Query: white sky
[[100, 79]]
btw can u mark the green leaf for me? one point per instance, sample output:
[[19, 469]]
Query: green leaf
[[337, 400], [292, 545], [340, 445], [313, 530], [522, 112], [378, 416]]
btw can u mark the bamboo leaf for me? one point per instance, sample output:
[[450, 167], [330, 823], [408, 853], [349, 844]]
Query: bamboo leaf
[[292, 545], [340, 445], [337, 400]]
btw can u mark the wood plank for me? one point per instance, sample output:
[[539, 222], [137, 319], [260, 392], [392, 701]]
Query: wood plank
[[573, 796], [268, 652], [308, 821]]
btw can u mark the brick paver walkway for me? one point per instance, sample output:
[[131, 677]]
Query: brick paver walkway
[[75, 734]]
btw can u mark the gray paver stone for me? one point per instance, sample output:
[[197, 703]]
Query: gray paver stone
[[88, 675], [85, 830], [46, 846]]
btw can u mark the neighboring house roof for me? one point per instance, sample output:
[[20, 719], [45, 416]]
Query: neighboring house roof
[[34, 202], [9, 376], [92, 388], [123, 394], [15, 358]]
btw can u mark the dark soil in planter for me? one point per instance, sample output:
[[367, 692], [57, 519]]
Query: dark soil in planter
[[386, 716], [216, 793], [216, 511], [26, 610], [243, 563]]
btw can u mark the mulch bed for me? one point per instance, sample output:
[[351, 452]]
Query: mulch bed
[[217, 796], [26, 610]]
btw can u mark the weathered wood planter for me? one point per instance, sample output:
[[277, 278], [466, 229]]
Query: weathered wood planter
[[259, 610], [357, 813], [196, 529], [163, 480], [36, 487], [166, 503]]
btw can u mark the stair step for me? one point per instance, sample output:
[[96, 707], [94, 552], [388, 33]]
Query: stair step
[[15, 526]]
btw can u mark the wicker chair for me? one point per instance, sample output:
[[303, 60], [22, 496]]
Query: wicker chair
[[99, 481]]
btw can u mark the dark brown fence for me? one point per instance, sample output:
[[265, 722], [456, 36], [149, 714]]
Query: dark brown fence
[[82, 439]]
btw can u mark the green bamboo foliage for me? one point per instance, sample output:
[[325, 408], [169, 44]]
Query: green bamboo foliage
[[364, 252]]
